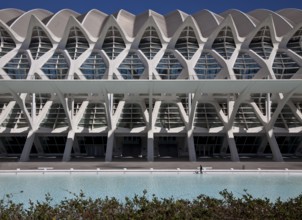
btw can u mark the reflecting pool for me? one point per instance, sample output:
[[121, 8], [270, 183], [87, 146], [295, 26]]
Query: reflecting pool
[[34, 186]]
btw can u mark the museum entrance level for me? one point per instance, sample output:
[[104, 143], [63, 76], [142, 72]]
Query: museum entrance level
[[94, 146], [170, 147], [208, 146], [132, 147]]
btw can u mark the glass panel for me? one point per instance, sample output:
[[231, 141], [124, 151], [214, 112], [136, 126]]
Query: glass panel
[[247, 145], [245, 67], [150, 43], [94, 116], [53, 145], [284, 67], [246, 117], [76, 43], [18, 67], [131, 67], [262, 43], [15, 119], [224, 43], [6, 42], [289, 144], [169, 116], [187, 43], [56, 67], [169, 67], [207, 146], [295, 43], [206, 116], [113, 43], [94, 67], [207, 67], [39, 43], [131, 117], [55, 118], [286, 119]]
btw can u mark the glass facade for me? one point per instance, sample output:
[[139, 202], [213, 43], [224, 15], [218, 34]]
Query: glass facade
[[56, 67], [187, 43], [94, 67], [207, 67], [169, 67], [150, 43], [113, 43], [262, 43], [131, 67], [284, 67], [224, 43], [18, 67], [245, 67]]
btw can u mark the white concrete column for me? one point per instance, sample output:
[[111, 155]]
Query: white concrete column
[[76, 146], [224, 146], [191, 145], [109, 149], [150, 146], [262, 146], [38, 146], [232, 146], [277, 156], [68, 146], [27, 146], [2, 149]]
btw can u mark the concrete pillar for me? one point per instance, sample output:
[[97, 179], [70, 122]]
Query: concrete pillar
[[191, 145], [27, 146], [232, 146], [150, 146], [68, 146], [262, 146], [277, 156], [110, 142], [38, 146], [224, 146], [76, 146]]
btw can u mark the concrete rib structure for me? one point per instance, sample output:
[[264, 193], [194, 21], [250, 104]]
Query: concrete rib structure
[[150, 85]]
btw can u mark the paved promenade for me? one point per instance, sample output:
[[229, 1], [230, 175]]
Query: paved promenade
[[292, 165]]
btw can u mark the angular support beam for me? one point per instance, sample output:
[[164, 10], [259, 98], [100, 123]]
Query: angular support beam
[[67, 108], [21, 102], [110, 142], [38, 146], [224, 146], [68, 146], [277, 156], [191, 145], [150, 146], [76, 146], [232, 146], [27, 146], [279, 108], [262, 146]]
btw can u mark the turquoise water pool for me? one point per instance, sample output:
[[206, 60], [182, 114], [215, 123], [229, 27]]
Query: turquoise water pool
[[34, 186]]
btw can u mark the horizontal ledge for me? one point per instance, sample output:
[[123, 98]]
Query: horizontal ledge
[[150, 86]]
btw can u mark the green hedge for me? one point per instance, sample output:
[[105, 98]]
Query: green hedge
[[140, 207]]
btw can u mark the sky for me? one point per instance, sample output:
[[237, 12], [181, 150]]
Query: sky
[[160, 6]]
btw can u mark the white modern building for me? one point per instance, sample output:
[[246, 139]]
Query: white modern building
[[151, 86]]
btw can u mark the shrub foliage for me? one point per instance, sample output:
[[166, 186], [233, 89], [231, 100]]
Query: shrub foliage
[[141, 207]]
